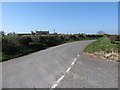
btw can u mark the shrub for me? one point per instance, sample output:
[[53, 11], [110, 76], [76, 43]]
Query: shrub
[[25, 40], [9, 47]]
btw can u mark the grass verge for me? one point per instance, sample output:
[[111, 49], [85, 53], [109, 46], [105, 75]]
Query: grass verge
[[103, 49], [102, 44]]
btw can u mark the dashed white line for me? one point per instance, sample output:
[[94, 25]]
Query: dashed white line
[[75, 60], [69, 68], [60, 78], [54, 86], [72, 63]]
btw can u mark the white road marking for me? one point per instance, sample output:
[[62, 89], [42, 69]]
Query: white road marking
[[60, 78], [72, 63], [68, 69], [54, 86], [75, 60]]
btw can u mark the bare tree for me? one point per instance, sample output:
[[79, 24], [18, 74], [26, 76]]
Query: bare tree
[[101, 33]]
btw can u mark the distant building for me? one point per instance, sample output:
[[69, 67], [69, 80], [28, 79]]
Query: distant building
[[42, 32]]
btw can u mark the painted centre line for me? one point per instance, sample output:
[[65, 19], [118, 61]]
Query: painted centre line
[[72, 63], [68, 69], [75, 60], [60, 79]]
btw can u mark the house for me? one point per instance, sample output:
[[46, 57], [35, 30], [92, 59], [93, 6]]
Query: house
[[42, 32]]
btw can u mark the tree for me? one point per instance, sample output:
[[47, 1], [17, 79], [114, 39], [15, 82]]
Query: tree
[[32, 32], [101, 33], [11, 33], [2, 33]]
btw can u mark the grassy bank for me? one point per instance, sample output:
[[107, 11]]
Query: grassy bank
[[102, 44], [104, 49], [14, 45]]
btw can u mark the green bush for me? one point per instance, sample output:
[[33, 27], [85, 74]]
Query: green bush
[[25, 40], [9, 46]]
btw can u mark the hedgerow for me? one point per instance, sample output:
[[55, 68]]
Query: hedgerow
[[17, 45]]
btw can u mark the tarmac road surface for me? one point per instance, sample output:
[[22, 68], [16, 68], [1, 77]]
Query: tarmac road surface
[[43, 69]]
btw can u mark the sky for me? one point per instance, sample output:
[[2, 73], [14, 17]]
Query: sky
[[64, 17]]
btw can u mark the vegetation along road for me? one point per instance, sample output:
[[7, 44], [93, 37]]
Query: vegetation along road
[[59, 66]]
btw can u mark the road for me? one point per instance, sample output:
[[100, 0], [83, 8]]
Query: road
[[43, 69]]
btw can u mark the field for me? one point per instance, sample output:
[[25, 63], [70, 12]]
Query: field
[[17, 45]]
